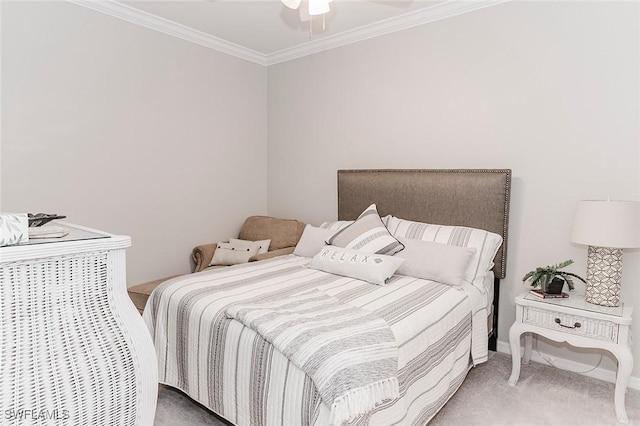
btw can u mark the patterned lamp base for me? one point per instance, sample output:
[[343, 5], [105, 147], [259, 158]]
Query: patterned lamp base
[[604, 271]]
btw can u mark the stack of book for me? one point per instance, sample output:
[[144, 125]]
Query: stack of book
[[543, 295]]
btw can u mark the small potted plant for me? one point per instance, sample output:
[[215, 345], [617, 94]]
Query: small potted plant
[[551, 279]]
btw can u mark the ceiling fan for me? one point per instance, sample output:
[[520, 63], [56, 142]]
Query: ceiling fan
[[308, 9], [315, 7]]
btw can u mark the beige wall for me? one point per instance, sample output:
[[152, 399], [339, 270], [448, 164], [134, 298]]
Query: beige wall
[[129, 130], [548, 89]]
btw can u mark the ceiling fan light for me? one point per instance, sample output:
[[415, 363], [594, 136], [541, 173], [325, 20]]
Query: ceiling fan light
[[318, 7], [292, 4]]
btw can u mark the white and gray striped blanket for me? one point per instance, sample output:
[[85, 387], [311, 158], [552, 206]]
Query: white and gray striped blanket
[[234, 371], [350, 354]]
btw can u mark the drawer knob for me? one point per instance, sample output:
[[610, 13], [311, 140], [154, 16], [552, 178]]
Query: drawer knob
[[576, 325]]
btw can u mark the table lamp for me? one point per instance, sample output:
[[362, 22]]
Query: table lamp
[[606, 227]]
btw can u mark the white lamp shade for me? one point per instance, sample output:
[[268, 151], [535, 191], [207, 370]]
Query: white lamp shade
[[292, 4], [607, 224]]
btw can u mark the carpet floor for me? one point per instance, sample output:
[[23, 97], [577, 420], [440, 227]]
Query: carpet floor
[[544, 395]]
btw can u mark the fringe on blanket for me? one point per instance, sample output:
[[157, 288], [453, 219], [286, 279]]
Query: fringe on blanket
[[360, 401]]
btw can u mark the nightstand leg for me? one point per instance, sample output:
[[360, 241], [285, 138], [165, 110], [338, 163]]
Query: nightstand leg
[[514, 343], [625, 366], [528, 345]]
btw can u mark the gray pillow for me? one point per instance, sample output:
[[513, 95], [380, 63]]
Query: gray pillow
[[435, 261], [336, 225], [312, 240], [367, 234], [486, 243]]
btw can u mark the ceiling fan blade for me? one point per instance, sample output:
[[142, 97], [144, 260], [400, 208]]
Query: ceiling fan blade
[[292, 4]]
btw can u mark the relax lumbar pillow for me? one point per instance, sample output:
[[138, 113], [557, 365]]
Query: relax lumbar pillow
[[370, 267], [367, 234], [232, 254]]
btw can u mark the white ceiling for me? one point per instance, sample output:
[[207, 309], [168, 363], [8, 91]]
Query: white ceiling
[[267, 32], [268, 26]]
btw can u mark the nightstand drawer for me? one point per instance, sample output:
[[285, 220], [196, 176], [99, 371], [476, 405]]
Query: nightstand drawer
[[572, 324]]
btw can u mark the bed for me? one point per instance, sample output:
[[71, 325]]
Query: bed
[[438, 331]]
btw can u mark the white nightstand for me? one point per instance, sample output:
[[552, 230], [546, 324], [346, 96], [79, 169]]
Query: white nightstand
[[578, 323]]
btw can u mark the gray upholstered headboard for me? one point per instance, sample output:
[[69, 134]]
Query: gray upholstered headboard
[[464, 197]]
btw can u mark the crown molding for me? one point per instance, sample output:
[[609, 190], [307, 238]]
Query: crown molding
[[147, 20], [438, 11]]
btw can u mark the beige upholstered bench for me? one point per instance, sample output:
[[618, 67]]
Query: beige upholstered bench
[[283, 233], [140, 293]]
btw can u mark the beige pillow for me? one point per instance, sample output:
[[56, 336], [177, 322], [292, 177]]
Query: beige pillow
[[369, 267], [229, 254], [263, 245], [434, 261]]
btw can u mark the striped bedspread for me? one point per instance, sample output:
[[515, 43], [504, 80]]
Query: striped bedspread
[[235, 372], [349, 353]]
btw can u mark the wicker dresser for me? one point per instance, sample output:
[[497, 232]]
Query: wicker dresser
[[73, 348]]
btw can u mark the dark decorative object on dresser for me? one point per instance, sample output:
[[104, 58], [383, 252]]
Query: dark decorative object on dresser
[[40, 219]]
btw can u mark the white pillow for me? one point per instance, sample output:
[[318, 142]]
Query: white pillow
[[435, 261], [311, 241], [230, 254], [370, 267], [367, 234], [336, 225], [486, 243], [263, 245]]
